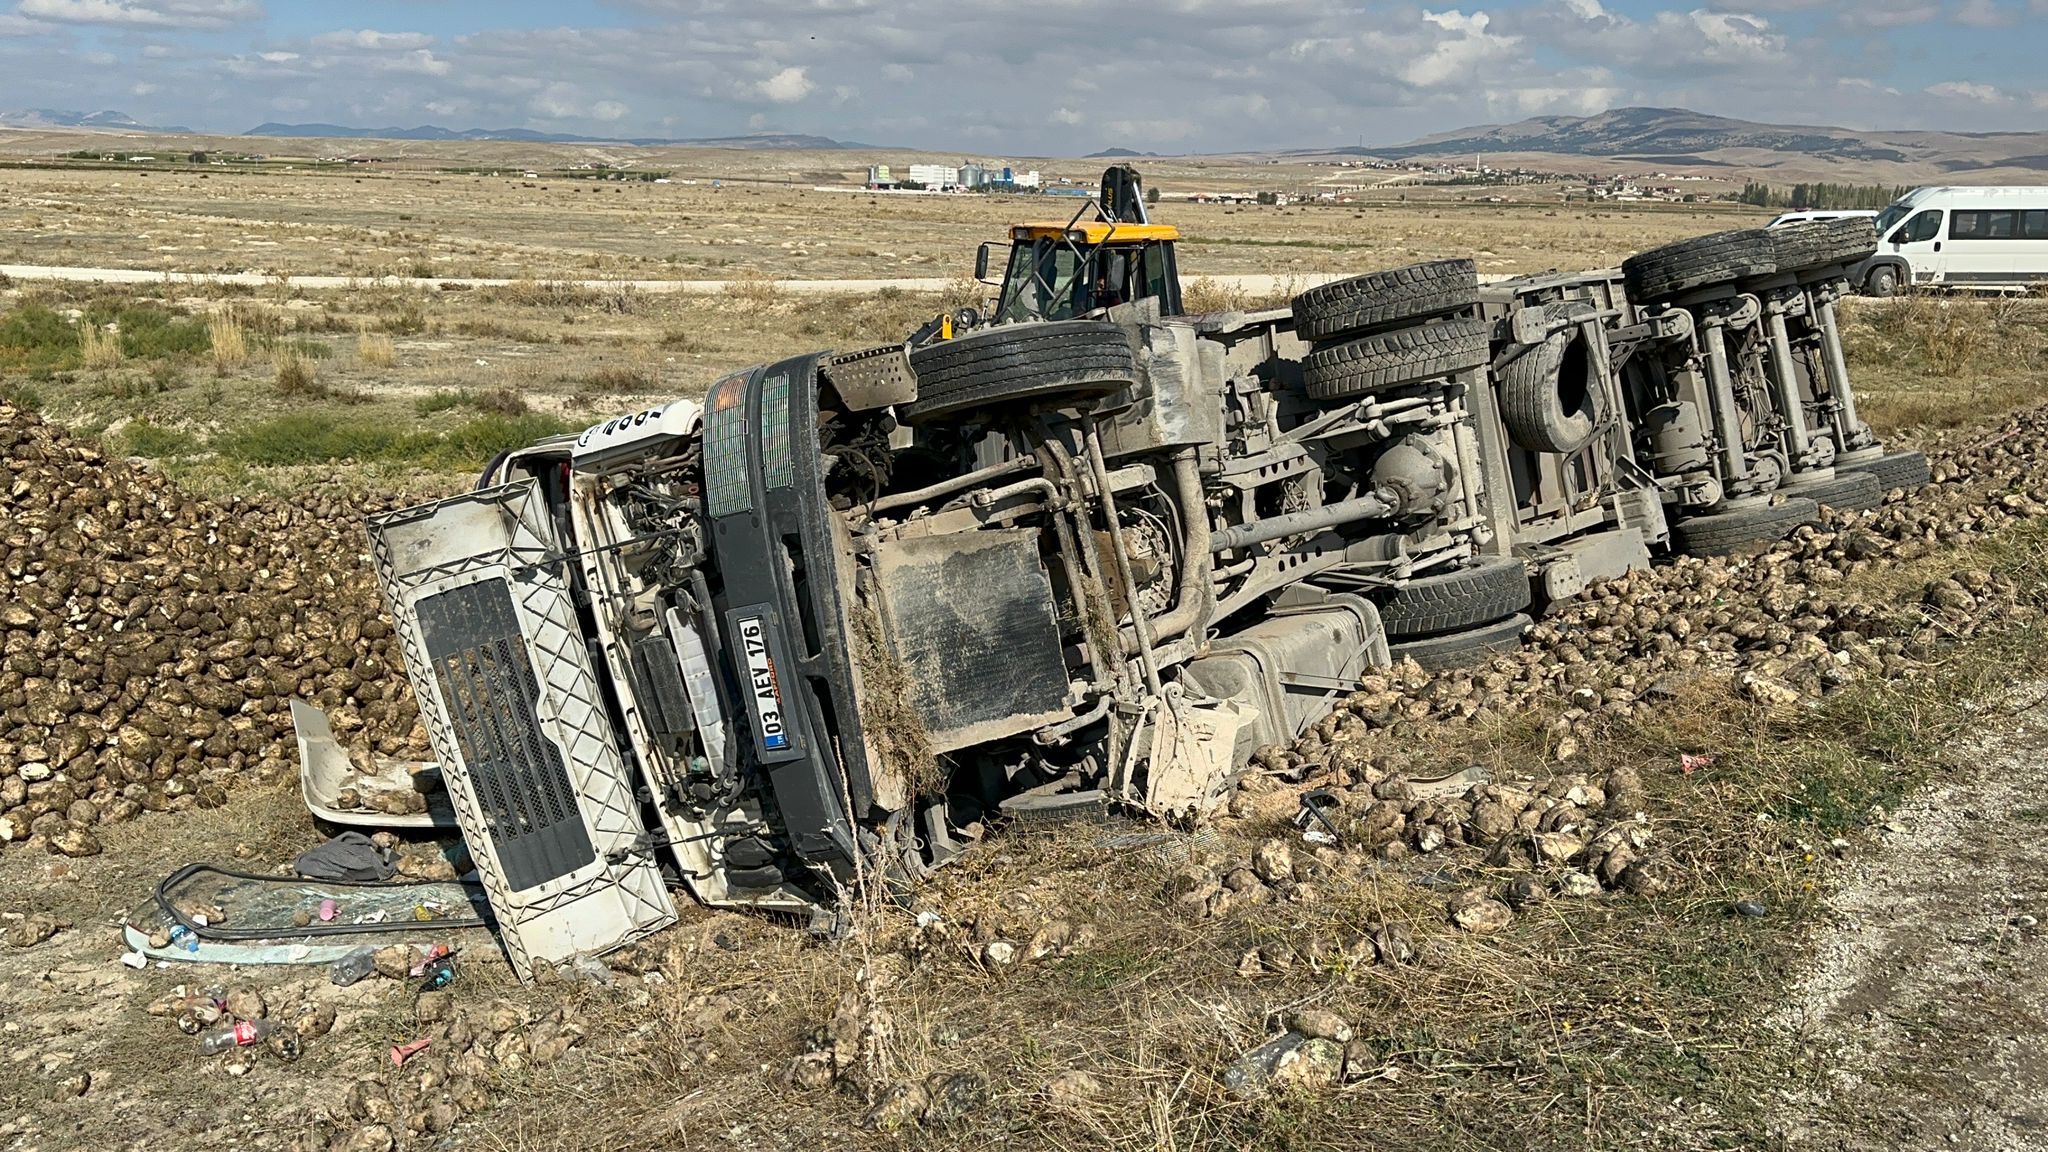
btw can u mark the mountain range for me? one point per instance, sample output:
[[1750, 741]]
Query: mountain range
[[775, 140], [1681, 138], [57, 118]]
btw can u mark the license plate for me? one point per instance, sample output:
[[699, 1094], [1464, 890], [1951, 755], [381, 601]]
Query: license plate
[[761, 681]]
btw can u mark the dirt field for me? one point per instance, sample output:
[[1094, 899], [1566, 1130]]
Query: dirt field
[[1836, 876]]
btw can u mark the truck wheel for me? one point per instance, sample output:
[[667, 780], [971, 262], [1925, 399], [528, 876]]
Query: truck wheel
[[1478, 594], [1549, 394], [1018, 362], [1377, 301], [1463, 649], [1882, 281], [1395, 358], [1906, 470], [1845, 491], [1715, 258], [1724, 533], [1821, 243]]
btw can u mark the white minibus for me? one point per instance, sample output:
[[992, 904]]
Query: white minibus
[[1994, 238]]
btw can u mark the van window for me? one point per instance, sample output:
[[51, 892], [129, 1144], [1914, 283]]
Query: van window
[[1923, 226], [2034, 224], [1981, 225]]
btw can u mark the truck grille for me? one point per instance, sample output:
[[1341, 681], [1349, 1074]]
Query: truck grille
[[489, 692]]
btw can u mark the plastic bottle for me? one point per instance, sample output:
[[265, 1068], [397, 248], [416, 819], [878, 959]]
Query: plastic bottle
[[353, 967], [183, 937], [239, 1035]]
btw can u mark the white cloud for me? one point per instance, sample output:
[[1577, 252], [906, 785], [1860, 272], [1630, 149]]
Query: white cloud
[[373, 40], [1066, 116], [608, 111], [1967, 90], [787, 86], [1457, 58], [277, 57], [143, 13], [1984, 14]]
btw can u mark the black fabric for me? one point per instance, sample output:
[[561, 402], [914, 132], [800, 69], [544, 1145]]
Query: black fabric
[[349, 856]]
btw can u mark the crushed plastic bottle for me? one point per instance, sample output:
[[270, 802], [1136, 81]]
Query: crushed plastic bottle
[[237, 1035], [353, 967], [183, 937]]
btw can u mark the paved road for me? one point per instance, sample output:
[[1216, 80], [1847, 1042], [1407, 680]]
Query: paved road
[[1254, 285]]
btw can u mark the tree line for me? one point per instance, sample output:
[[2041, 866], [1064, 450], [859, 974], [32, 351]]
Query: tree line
[[1804, 197]]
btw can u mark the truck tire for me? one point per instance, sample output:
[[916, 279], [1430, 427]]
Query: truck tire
[[1906, 470], [1822, 243], [1477, 594], [1394, 358], [1724, 533], [1715, 258], [1012, 363], [1549, 394], [1463, 649], [1883, 281], [1845, 491], [1378, 301]]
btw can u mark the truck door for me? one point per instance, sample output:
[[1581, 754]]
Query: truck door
[[478, 587], [1919, 241]]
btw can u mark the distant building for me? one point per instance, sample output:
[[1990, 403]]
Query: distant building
[[880, 177], [934, 175]]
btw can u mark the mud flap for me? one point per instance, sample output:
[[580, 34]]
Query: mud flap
[[1183, 746], [509, 698]]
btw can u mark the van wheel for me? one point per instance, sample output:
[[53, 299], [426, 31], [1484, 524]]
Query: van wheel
[[1549, 393], [1882, 281]]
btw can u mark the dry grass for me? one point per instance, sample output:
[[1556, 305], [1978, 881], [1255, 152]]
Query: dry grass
[[229, 340], [1943, 362], [98, 348], [296, 373], [376, 350]]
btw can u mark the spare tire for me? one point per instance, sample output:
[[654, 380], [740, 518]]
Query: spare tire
[[1013, 363], [1480, 593], [1377, 301], [1821, 243], [1550, 395], [1716, 258], [1394, 358]]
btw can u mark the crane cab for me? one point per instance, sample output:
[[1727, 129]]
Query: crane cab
[[1064, 271]]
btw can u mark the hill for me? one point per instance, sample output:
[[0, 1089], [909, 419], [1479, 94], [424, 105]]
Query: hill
[[1680, 139], [769, 140], [59, 118]]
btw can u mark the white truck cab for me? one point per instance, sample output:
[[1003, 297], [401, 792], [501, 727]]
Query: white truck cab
[[1945, 237]]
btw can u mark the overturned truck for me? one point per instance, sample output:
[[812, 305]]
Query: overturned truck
[[816, 633]]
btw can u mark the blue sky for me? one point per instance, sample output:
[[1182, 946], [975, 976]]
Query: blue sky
[[1043, 77]]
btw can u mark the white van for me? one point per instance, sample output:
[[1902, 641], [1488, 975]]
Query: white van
[[1812, 215], [1959, 238]]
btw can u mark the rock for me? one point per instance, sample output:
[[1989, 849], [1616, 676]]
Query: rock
[[247, 1004], [1190, 887], [812, 1071], [1481, 915], [1273, 861], [999, 953], [1553, 848], [1614, 863], [953, 1096], [1242, 880], [434, 1007], [75, 841], [1490, 821], [1647, 877], [1577, 885], [283, 1044], [1050, 941], [1523, 891], [1392, 943], [1750, 908], [1288, 1061], [33, 929], [370, 1138], [1320, 1024], [1073, 1089], [395, 962], [899, 1106], [314, 1021]]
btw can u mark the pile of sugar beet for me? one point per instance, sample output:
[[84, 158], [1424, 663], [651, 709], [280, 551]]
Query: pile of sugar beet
[[151, 641]]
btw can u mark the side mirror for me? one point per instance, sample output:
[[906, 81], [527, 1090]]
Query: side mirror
[[981, 263]]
